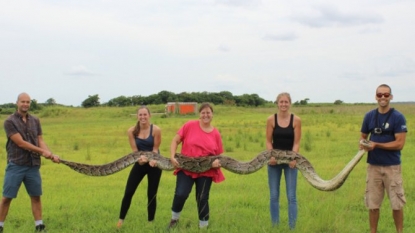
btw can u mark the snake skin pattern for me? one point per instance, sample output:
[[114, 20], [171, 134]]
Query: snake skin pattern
[[202, 164]]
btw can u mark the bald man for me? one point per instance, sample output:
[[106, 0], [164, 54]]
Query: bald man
[[24, 147]]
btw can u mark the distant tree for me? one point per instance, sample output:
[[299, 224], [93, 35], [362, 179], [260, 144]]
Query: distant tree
[[216, 98], [138, 100], [50, 101], [167, 96], [9, 105], [338, 102], [226, 95], [34, 105], [120, 101], [91, 101], [154, 99], [163, 97], [256, 100], [242, 100], [304, 101], [185, 97]]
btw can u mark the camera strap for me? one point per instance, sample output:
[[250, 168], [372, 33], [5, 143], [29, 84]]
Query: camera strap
[[386, 120]]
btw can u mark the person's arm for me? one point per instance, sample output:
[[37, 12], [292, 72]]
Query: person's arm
[[216, 162], [363, 136], [131, 139], [268, 135], [297, 134], [157, 142], [157, 139], [42, 144], [297, 138], [42, 149], [269, 130], [173, 147], [397, 144]]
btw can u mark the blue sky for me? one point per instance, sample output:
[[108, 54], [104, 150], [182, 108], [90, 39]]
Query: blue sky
[[322, 50]]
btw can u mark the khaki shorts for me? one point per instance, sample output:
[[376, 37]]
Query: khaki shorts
[[384, 178]]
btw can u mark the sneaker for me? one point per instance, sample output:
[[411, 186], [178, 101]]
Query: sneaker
[[173, 223], [40, 227], [204, 227]]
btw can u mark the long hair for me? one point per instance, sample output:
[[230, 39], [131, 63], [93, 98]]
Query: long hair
[[136, 130]]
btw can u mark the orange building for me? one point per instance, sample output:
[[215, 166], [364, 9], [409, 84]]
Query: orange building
[[181, 107]]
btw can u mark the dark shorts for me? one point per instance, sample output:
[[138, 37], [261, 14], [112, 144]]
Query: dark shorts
[[381, 179], [16, 174]]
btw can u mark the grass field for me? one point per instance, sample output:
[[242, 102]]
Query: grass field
[[73, 202]]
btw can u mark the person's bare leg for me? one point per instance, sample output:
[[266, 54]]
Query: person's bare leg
[[398, 218], [4, 208], [36, 207], [373, 220]]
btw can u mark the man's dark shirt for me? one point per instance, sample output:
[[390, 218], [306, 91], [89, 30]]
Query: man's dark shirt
[[29, 132]]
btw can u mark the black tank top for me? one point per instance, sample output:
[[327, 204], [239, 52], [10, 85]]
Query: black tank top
[[145, 144], [283, 138]]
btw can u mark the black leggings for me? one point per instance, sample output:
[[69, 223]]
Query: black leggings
[[136, 175], [184, 184]]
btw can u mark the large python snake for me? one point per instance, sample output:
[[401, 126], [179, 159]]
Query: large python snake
[[202, 164]]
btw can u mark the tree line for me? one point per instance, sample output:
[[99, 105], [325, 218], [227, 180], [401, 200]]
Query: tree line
[[163, 97]]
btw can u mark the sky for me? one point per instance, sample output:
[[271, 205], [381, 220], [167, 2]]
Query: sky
[[323, 50]]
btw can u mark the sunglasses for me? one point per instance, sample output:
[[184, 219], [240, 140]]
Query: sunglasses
[[379, 95]]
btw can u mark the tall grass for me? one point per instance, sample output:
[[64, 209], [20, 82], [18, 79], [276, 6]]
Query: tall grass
[[73, 202]]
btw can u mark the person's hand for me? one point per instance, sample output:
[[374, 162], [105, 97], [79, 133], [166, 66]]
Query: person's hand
[[174, 162], [56, 159], [367, 145], [272, 161], [142, 160], [216, 163], [292, 164], [47, 154], [153, 163]]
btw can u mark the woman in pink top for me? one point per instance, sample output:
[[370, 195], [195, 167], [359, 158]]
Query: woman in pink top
[[198, 138]]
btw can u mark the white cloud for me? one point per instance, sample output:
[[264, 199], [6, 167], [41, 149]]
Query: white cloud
[[329, 16], [79, 70], [290, 36]]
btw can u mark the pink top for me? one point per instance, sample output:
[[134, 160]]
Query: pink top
[[197, 143]]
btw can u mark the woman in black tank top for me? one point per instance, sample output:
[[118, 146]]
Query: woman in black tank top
[[144, 136], [283, 133]]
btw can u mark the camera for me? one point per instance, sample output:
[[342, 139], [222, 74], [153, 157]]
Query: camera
[[377, 130]]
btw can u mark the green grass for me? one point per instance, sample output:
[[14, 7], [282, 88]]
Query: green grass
[[73, 202]]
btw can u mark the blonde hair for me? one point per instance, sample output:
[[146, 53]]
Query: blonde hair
[[283, 94]]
